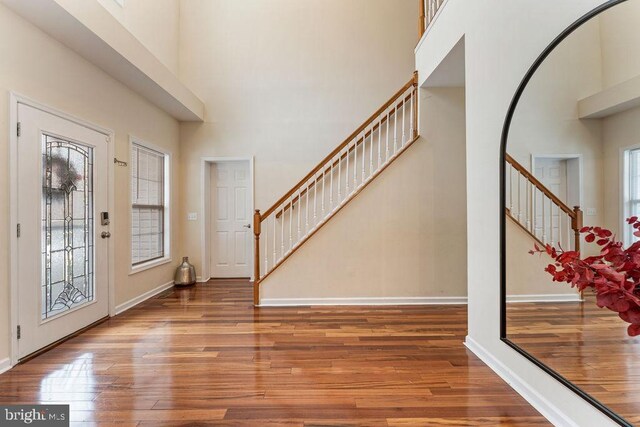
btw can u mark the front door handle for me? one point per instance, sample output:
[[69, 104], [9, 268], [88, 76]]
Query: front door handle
[[105, 235], [247, 226]]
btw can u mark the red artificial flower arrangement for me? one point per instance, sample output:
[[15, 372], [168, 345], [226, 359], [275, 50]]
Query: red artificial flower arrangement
[[614, 275]]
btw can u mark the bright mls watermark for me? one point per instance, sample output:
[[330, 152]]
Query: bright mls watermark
[[34, 415]]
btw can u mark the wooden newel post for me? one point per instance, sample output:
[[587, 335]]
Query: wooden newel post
[[257, 220], [415, 94], [577, 225]]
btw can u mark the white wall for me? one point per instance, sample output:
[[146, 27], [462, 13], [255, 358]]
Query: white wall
[[502, 40], [285, 81], [404, 236], [156, 23], [50, 73]]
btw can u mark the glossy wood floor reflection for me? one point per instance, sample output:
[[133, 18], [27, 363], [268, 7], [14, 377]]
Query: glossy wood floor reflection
[[587, 345], [205, 356]]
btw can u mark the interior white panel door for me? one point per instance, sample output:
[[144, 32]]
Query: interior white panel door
[[62, 257], [553, 175], [231, 219]]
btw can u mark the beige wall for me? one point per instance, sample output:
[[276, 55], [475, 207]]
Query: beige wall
[[546, 120], [154, 22], [50, 73], [525, 272], [620, 46], [405, 234], [285, 81], [620, 43], [620, 131]]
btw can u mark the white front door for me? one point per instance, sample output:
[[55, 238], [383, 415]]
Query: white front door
[[231, 219], [62, 258]]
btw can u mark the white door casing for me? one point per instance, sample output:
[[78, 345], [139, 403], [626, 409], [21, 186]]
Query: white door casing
[[58, 294], [231, 218]]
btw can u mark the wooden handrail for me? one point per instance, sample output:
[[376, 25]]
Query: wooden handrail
[[349, 151], [374, 116], [517, 166]]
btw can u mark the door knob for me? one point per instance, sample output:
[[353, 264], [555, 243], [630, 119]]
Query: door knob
[[105, 235], [247, 226]]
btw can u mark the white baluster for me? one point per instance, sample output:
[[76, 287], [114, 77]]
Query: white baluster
[[533, 210], [266, 245], [551, 221], [346, 175], [274, 241], [570, 239], [307, 209], [529, 204], [282, 231], [387, 149], [364, 151], [544, 228], [323, 193], [519, 204], [355, 163], [510, 189], [315, 199], [290, 222], [379, 143], [411, 115], [403, 123], [395, 131], [371, 155], [339, 179], [299, 209], [331, 188]]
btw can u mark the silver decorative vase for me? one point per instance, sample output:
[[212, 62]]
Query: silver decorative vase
[[185, 274]]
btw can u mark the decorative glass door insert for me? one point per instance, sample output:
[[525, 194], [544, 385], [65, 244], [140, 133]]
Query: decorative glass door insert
[[67, 226]]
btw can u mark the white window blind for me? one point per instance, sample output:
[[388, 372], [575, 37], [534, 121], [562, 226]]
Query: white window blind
[[148, 205]]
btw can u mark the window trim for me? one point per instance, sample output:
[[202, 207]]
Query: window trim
[[168, 157], [625, 190]]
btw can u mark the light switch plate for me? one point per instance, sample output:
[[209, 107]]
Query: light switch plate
[[592, 212], [192, 216]]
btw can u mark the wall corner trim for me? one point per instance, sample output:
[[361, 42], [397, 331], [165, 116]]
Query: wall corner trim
[[371, 301], [121, 308], [5, 365], [550, 411]]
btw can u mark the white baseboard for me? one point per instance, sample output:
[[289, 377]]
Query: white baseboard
[[298, 302], [5, 365], [545, 298], [199, 279], [137, 300], [548, 410]]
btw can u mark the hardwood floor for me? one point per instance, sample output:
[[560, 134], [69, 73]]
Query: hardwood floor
[[204, 355], [587, 345]]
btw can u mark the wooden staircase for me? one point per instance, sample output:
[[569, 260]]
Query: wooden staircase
[[538, 211], [334, 182]]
